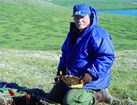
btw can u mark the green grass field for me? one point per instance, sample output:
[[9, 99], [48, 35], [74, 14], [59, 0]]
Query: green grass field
[[99, 4], [32, 32], [31, 27]]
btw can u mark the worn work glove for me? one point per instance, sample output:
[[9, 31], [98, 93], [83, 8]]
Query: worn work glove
[[86, 78], [61, 71]]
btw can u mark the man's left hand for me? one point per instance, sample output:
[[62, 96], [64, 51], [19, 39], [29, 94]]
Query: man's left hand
[[86, 78]]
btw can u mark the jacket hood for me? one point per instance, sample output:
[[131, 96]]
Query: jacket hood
[[94, 16]]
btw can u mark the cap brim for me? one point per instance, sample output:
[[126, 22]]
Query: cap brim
[[79, 15]]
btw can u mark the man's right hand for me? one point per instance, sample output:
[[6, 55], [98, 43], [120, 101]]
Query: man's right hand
[[61, 71]]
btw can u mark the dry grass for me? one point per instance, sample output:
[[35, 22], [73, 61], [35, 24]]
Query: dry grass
[[36, 69], [28, 68]]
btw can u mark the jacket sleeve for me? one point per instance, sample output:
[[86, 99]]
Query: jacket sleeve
[[62, 61], [104, 56]]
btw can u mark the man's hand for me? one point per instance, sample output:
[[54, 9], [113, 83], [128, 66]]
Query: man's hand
[[61, 71], [86, 78]]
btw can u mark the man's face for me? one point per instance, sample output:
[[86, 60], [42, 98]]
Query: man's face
[[81, 21]]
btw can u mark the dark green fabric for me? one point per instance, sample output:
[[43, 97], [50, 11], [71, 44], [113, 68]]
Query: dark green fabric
[[79, 97]]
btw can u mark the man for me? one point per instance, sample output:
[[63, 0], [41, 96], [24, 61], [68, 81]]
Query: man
[[87, 53]]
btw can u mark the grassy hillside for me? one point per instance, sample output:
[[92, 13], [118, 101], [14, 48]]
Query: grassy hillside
[[32, 27], [38, 26], [122, 29], [99, 4]]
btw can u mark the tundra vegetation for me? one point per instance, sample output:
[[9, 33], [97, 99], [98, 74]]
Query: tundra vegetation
[[32, 32]]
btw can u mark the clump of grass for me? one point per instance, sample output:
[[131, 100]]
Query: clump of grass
[[124, 73]]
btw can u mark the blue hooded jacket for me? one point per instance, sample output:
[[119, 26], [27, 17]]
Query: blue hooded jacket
[[92, 52]]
